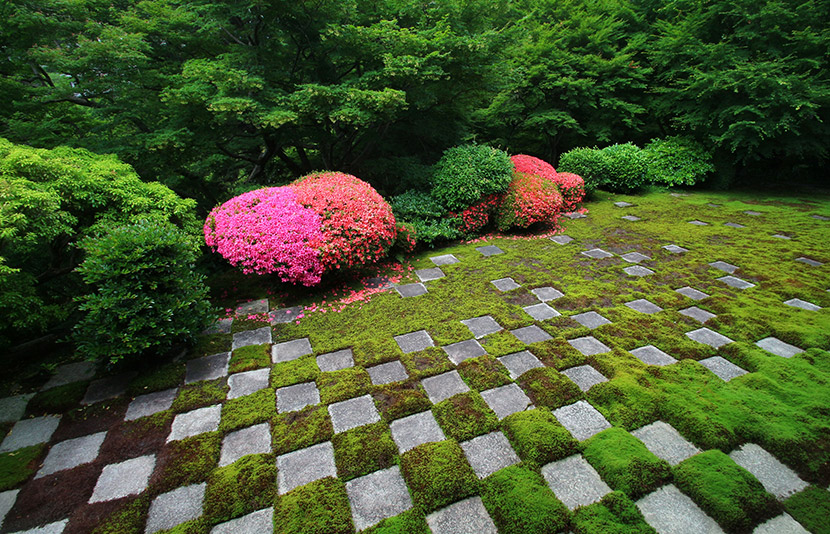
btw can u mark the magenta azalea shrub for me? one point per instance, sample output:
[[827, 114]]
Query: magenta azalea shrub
[[571, 186], [529, 199]]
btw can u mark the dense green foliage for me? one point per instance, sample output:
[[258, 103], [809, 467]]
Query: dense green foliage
[[590, 163], [465, 174], [677, 161], [625, 168], [144, 295]]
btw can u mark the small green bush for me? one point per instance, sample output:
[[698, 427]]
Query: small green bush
[[677, 161], [145, 295], [626, 168], [538, 437], [589, 163], [466, 173], [520, 502], [625, 463], [438, 474], [613, 514]]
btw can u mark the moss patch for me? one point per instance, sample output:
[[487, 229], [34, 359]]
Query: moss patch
[[547, 387], [538, 437], [249, 358], [297, 430], [520, 502], [465, 416], [625, 463], [211, 344], [614, 514], [811, 508], [57, 400], [248, 410], [159, 378], [345, 384], [294, 372], [17, 466], [438, 474], [410, 522], [400, 399], [363, 450], [187, 461], [484, 372], [245, 486], [200, 394], [316, 508], [501, 344], [428, 362]]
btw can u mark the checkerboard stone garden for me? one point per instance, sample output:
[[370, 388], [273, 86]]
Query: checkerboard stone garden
[[436, 426]]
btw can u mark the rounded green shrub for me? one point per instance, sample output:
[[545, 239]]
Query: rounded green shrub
[[626, 168], [589, 163], [144, 296], [677, 161], [466, 173]]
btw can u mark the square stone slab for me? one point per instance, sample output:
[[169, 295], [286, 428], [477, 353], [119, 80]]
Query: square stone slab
[[778, 347], [427, 275], [697, 314], [803, 304], [151, 403], [52, 528], [632, 218], [353, 413], [464, 517], [300, 467], [386, 373], [734, 281], [665, 442], [623, 204], [69, 373], [575, 482], [581, 419], [28, 432], [107, 388], [820, 217], [722, 367], [590, 319], [414, 430], [290, 350], [531, 334], [248, 382], [708, 337], [506, 400], [651, 355], [575, 215], [635, 257], [644, 306], [377, 496], [776, 477], [444, 259], [258, 522], [489, 250], [753, 213], [674, 249], [505, 284], [562, 239], [693, 294], [195, 422], [13, 408], [482, 326], [541, 311], [723, 266], [411, 290], [670, 511], [252, 440], [596, 253], [175, 507], [584, 376], [637, 270], [222, 326], [207, 368], [489, 453], [810, 262], [463, 350], [123, 479], [698, 223], [285, 315], [336, 361], [519, 363], [781, 236], [71, 453], [7, 500], [734, 225], [296, 397], [381, 283], [253, 307], [783, 524], [711, 205], [444, 386], [257, 336], [589, 345], [546, 294], [415, 341]]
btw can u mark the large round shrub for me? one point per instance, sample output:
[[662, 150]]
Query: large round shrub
[[626, 168], [589, 163], [465, 174], [145, 295], [677, 161], [529, 199], [571, 186]]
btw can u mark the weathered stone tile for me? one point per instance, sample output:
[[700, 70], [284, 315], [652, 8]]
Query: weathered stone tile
[[207, 368], [290, 350], [444, 386], [464, 517], [285, 315], [482, 326], [411, 290], [519, 363], [723, 266], [635, 257], [697, 314], [665, 442], [575, 482], [52, 528], [808, 261], [489, 453], [71, 453], [698, 223], [506, 400], [28, 432], [175, 507], [417, 429], [631, 218], [693, 294], [753, 213], [13, 408], [562, 239], [541, 311], [778, 347], [248, 382], [353, 413], [737, 283], [377, 496], [644, 306], [776, 477], [803, 304], [546, 294], [783, 524], [415, 341], [444, 259], [531, 334], [781, 236], [723, 368], [670, 511], [489, 250], [651, 355], [584, 376], [222, 326], [386, 373], [581, 419], [7, 500], [596, 253], [590, 319], [259, 522], [637, 270], [253, 307], [296, 397], [427, 275], [708, 337], [575, 215], [463, 350], [252, 440], [298, 468], [123, 479], [589, 345], [336, 361], [107, 388], [195, 422], [623, 204], [257, 336], [151, 403], [69, 373], [505, 284], [675, 249], [734, 225]]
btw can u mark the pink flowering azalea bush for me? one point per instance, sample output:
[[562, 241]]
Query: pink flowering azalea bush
[[571, 186], [529, 199], [477, 216]]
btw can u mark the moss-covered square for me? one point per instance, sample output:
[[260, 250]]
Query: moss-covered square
[[520, 502], [429, 362], [465, 416], [625, 463], [345, 384], [811, 508], [57, 400], [538, 437], [363, 450], [17, 466], [247, 485], [248, 410], [294, 372], [211, 344], [200, 394], [438, 474], [410, 522], [400, 399], [316, 508], [613, 514], [186, 461], [158, 378], [483, 373], [249, 358], [548, 387], [297, 430]]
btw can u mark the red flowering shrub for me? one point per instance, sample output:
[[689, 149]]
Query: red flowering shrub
[[405, 239], [571, 186], [529, 165], [476, 217], [357, 223], [529, 199]]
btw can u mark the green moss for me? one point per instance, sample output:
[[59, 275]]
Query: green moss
[[726, 491], [294, 372], [199, 395], [625, 463], [304, 428], [811, 508], [167, 376], [250, 357], [321, 507], [362, 450], [241, 323], [538, 437], [484, 372], [245, 486], [186, 461], [248, 410], [438, 474], [400, 399], [547, 387], [211, 344], [194, 526], [57, 400], [614, 514], [520, 502], [129, 518], [410, 522], [630, 399], [375, 350], [345, 384], [501, 344], [465, 416], [429, 362], [17, 466]]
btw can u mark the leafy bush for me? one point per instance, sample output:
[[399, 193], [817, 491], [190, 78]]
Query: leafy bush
[[426, 216], [626, 168], [145, 295], [530, 199], [467, 173], [677, 161], [589, 163]]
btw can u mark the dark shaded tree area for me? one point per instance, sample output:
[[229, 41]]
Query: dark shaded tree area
[[212, 98]]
